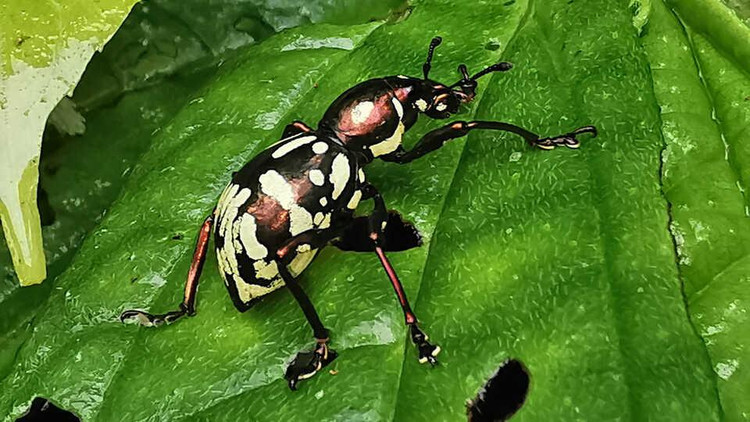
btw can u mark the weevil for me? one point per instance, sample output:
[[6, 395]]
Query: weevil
[[299, 195]]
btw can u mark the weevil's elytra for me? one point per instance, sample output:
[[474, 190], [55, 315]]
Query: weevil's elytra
[[299, 195]]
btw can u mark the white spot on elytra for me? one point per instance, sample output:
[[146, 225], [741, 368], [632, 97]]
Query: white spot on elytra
[[248, 236], [292, 145], [354, 201], [362, 111], [248, 291], [301, 261], [303, 248], [361, 174], [264, 270], [316, 177], [399, 108], [320, 147], [339, 174], [274, 185], [402, 77], [441, 107], [318, 218], [323, 201], [231, 200], [421, 104], [326, 222], [389, 145]]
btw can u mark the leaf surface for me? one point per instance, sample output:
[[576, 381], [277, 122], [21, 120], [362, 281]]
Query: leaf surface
[[563, 259], [704, 115]]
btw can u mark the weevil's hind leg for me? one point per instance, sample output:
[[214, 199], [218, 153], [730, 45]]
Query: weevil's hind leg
[[307, 363], [427, 352], [377, 225], [294, 128], [187, 307]]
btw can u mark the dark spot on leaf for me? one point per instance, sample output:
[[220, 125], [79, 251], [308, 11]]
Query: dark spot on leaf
[[747, 98], [502, 395], [134, 279], [43, 410], [492, 46], [178, 236], [509, 2]]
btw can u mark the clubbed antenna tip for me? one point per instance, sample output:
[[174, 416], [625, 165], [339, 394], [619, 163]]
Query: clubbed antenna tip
[[428, 63]]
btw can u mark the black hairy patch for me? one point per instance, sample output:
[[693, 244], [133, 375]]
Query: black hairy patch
[[399, 235]]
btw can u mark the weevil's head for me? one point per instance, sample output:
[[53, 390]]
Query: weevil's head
[[440, 101]]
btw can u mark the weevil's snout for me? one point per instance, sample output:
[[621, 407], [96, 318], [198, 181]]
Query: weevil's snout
[[465, 93]]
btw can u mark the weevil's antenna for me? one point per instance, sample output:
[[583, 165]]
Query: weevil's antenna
[[497, 67], [467, 81], [428, 64]]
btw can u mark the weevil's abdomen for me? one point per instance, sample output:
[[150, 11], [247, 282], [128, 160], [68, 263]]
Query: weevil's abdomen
[[305, 182]]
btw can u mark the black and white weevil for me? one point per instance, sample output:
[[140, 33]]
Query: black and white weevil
[[299, 195]]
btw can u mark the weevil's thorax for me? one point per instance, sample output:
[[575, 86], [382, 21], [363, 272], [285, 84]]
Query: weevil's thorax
[[371, 117]]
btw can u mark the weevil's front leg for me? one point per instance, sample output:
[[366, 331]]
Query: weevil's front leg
[[438, 137], [187, 307], [378, 219], [306, 364]]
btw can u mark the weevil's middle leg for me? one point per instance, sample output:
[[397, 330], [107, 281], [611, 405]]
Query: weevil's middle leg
[[306, 364], [187, 307]]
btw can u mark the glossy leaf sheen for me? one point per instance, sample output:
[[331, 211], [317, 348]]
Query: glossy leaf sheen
[[561, 259]]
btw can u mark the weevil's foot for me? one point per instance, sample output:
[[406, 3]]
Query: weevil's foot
[[150, 320], [307, 364], [427, 351], [569, 139]]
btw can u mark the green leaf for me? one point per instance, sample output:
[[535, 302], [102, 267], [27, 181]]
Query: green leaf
[[563, 259], [45, 47], [705, 115], [137, 84]]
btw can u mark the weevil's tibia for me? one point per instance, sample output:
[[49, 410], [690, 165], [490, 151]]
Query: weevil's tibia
[[427, 351], [187, 307], [306, 364], [377, 223]]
